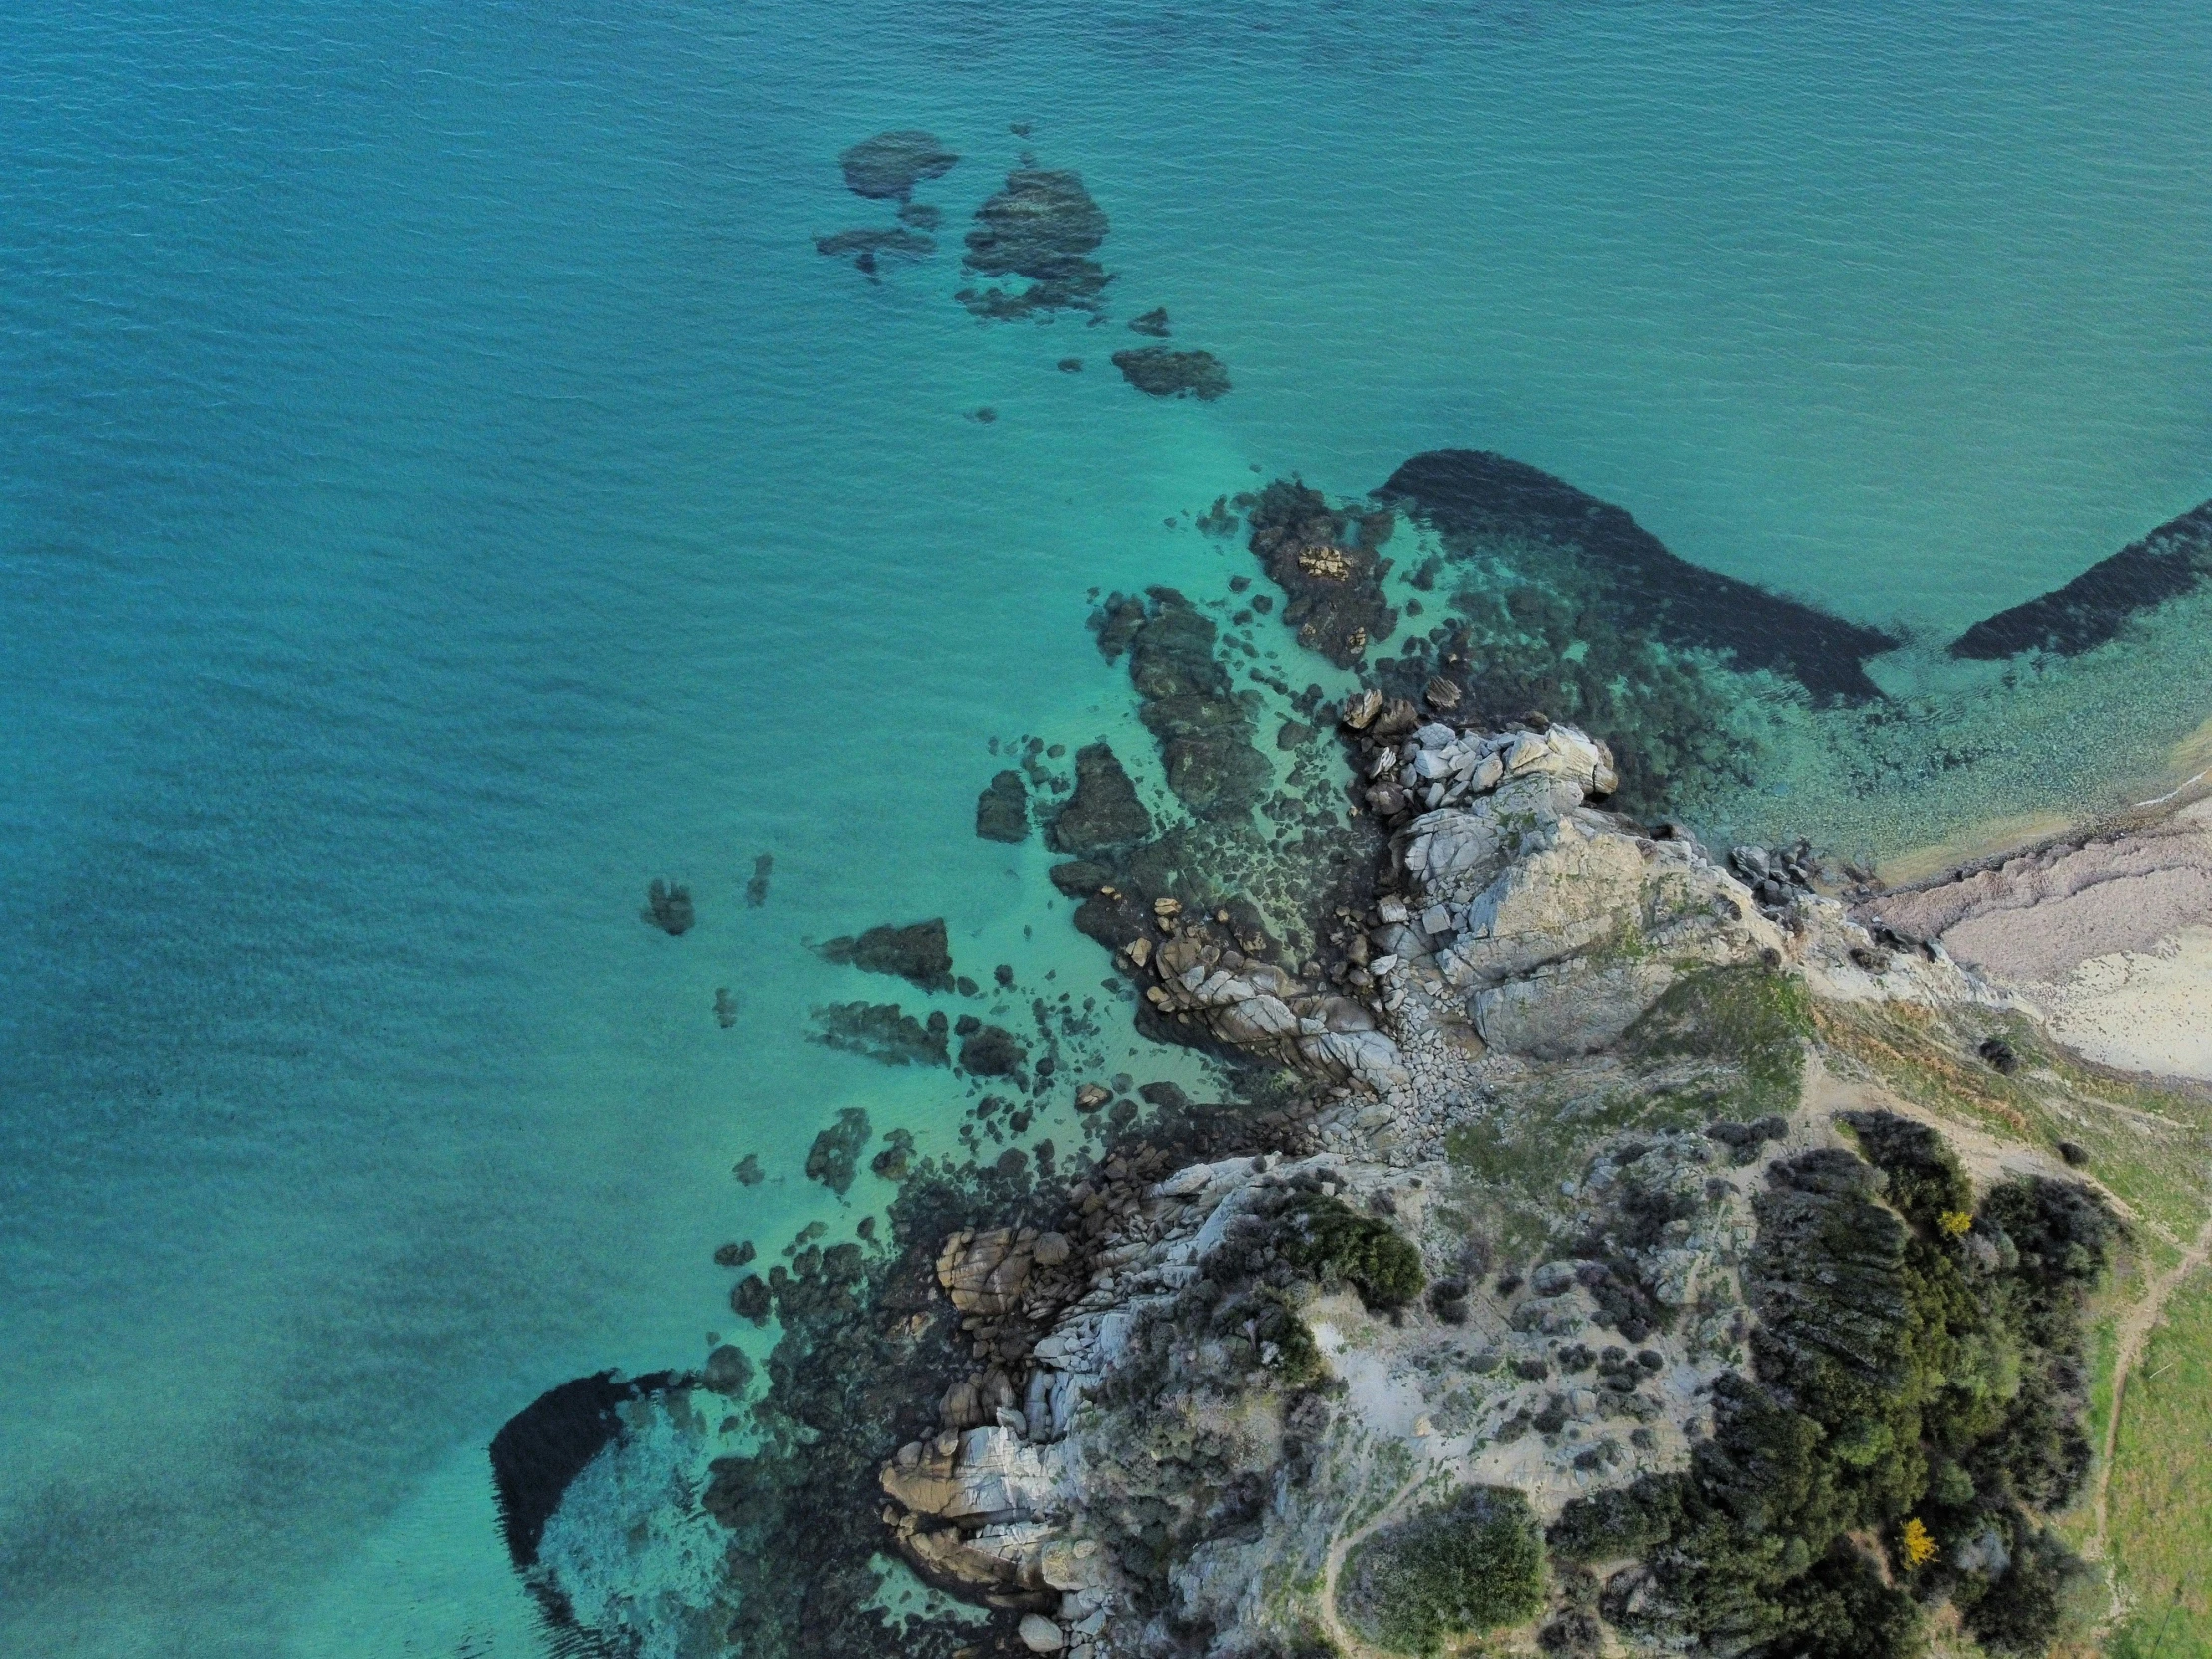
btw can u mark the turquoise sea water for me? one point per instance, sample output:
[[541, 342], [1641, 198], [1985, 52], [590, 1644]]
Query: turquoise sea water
[[442, 488]]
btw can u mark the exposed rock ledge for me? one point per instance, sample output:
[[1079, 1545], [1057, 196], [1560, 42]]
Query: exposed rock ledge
[[1150, 1466]]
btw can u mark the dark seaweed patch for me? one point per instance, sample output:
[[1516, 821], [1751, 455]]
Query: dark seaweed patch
[[1002, 810], [2093, 608], [1627, 574], [546, 1444]]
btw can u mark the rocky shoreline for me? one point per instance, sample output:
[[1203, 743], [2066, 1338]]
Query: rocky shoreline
[[1607, 1245]]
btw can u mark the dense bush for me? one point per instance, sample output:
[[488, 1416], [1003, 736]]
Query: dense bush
[[1333, 1242], [1474, 1563], [1619, 1522]]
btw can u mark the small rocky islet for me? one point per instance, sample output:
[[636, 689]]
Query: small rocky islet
[[1604, 1244]]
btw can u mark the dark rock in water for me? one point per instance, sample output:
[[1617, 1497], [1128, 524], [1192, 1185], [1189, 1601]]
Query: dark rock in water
[[547, 1444], [1002, 810], [756, 889], [1292, 732], [896, 1161], [1104, 812], [1630, 576], [992, 1051], [2093, 608], [749, 1298], [1169, 1097], [1043, 225], [747, 1170], [922, 215], [669, 907], [985, 416], [729, 1370], [835, 1158], [1185, 699], [883, 1032], [1071, 365], [870, 241], [1082, 879], [1329, 565], [889, 164], [919, 953], [1153, 322], [1158, 371], [733, 1255], [726, 1007]]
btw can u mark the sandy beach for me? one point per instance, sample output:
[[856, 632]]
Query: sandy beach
[[2107, 932]]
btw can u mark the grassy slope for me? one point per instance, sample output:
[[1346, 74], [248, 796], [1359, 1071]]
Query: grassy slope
[[2161, 1493]]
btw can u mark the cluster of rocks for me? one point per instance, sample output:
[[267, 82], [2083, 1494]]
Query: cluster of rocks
[[887, 168], [1329, 564], [1186, 700], [1043, 227], [1161, 371]]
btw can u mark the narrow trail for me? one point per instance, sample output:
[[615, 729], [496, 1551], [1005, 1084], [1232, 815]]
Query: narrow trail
[[1346, 1643], [2134, 1331]]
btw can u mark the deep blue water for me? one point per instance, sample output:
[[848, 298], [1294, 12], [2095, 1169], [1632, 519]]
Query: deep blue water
[[441, 488]]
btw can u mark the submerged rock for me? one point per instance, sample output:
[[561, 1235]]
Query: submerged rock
[[1042, 225], [1153, 322], [835, 1158], [1158, 371], [1002, 810], [1330, 567], [1104, 812], [1186, 701], [888, 166], [756, 888], [669, 907], [919, 953], [863, 246], [882, 1031]]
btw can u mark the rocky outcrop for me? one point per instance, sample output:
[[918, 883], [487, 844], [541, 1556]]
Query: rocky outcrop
[[1104, 814], [919, 953], [1329, 564], [1002, 810]]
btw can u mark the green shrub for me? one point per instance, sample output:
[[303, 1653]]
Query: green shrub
[[2047, 1592], [1620, 1521], [1924, 1180], [1333, 1242], [1471, 1564]]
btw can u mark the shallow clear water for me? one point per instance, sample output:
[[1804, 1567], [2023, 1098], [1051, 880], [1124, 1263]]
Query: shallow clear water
[[441, 488]]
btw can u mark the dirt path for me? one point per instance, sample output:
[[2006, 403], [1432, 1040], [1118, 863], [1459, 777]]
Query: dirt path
[[2134, 1331], [1346, 1643]]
